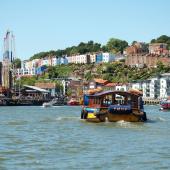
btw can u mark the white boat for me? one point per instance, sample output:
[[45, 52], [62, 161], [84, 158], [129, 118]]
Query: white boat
[[54, 102], [47, 104]]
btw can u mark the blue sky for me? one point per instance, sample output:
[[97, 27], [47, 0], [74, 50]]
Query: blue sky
[[43, 25]]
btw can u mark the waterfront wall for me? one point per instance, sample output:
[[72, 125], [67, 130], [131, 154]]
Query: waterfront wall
[[151, 101]]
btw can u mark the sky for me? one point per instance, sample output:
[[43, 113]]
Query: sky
[[43, 25]]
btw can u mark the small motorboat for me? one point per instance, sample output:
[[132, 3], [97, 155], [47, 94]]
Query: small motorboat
[[47, 104], [165, 105], [55, 102]]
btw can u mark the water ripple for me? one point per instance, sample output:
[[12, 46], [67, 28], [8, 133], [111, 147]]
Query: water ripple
[[56, 138]]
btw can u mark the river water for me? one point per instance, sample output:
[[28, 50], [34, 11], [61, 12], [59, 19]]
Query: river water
[[55, 138]]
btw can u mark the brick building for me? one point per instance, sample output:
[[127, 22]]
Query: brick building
[[158, 48], [137, 55], [149, 60], [136, 48]]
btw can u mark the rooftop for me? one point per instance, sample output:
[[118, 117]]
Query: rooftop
[[110, 84], [101, 81]]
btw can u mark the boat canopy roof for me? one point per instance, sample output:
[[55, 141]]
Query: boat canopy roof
[[122, 93]]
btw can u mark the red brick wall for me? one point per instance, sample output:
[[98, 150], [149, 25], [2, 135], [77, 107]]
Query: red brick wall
[[149, 60]]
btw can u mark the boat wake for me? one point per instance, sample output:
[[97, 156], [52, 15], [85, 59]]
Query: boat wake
[[67, 118], [52, 106], [156, 119], [160, 119], [124, 124]]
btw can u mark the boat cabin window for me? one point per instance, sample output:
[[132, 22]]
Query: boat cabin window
[[122, 100], [107, 100], [96, 101], [129, 100]]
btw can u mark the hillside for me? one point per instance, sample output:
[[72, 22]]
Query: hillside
[[114, 72]]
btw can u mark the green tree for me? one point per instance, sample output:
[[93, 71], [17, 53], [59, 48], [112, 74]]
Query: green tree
[[16, 63], [73, 51], [52, 72], [88, 75], [160, 67], [104, 48], [26, 81], [162, 39], [153, 41], [116, 45], [134, 42]]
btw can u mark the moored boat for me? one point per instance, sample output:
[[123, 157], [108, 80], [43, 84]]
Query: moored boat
[[165, 104], [54, 102], [47, 104], [114, 106]]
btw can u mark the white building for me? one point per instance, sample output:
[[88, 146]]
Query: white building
[[165, 85], [79, 59], [108, 57], [34, 63], [157, 87], [25, 72], [137, 85], [27, 64], [122, 87], [163, 88], [82, 59], [54, 61], [145, 89], [69, 58], [28, 68], [92, 58], [45, 61], [151, 88]]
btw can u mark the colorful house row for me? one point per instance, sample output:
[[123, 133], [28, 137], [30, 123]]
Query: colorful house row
[[47, 61], [91, 58], [36, 66]]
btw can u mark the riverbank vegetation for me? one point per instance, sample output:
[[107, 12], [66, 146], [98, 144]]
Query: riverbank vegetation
[[114, 72]]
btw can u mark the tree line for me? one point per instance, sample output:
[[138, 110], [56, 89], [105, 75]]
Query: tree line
[[113, 45]]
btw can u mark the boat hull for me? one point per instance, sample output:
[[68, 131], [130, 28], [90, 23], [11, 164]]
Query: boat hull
[[164, 108], [165, 105], [114, 117], [126, 117]]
